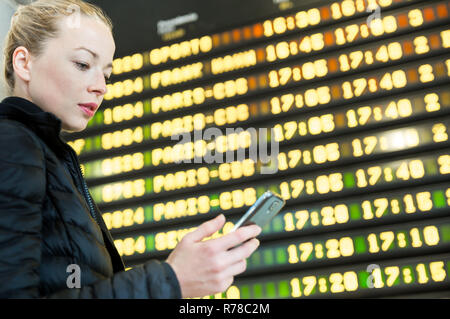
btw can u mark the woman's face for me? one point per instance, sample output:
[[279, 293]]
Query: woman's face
[[71, 71]]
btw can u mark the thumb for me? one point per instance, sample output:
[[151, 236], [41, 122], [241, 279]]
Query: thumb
[[208, 228]]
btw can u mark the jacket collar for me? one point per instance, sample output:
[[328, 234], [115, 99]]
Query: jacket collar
[[44, 124]]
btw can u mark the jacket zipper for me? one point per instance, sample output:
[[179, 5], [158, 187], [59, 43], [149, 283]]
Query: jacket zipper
[[93, 211], [85, 189], [86, 192]]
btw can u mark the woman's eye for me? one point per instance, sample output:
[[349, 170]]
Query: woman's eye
[[82, 66]]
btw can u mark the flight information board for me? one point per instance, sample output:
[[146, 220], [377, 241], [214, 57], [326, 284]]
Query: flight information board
[[346, 105]]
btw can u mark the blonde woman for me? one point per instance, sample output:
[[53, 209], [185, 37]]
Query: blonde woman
[[57, 57]]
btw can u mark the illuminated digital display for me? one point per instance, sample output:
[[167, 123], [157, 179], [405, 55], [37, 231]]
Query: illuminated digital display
[[284, 24], [352, 244], [288, 160], [129, 137], [318, 153], [303, 219], [360, 280], [358, 106], [347, 60], [320, 186]]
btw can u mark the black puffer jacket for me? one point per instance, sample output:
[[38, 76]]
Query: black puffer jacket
[[48, 220]]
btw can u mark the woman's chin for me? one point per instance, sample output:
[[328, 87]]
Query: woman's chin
[[73, 127]]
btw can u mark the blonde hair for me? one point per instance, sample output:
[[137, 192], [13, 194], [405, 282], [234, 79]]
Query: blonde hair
[[33, 24]]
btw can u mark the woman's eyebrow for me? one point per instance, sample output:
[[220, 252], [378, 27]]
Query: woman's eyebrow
[[94, 54]]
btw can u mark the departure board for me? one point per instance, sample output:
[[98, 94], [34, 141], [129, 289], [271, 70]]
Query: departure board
[[341, 107]]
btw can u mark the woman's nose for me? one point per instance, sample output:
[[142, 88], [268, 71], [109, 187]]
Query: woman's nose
[[99, 87]]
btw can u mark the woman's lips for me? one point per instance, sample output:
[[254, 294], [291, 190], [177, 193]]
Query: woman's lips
[[87, 110]]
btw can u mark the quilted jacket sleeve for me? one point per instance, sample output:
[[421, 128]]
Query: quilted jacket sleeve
[[153, 279], [22, 191]]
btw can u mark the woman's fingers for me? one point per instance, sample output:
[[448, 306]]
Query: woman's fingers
[[237, 257], [237, 268], [206, 229], [238, 237], [205, 267], [242, 252]]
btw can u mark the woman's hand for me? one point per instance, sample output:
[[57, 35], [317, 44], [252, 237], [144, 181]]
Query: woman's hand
[[208, 267]]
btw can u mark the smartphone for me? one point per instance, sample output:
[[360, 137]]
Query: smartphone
[[262, 211]]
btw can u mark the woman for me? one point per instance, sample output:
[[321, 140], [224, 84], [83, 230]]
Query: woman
[[58, 56]]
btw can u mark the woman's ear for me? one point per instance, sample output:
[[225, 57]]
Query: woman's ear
[[22, 63]]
